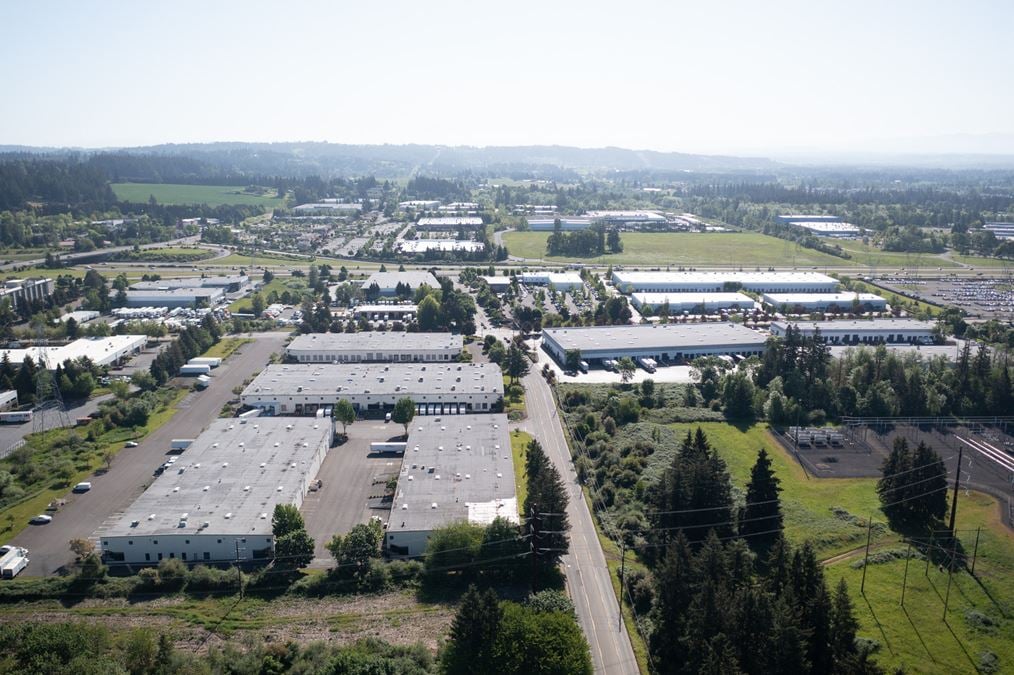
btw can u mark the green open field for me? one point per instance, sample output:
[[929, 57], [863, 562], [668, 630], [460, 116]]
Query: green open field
[[871, 256], [748, 249], [212, 195], [977, 261]]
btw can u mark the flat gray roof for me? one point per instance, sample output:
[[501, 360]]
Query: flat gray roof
[[621, 277], [191, 282], [189, 292], [830, 298], [875, 325], [375, 340], [390, 280], [327, 379], [659, 336], [230, 477], [455, 468]]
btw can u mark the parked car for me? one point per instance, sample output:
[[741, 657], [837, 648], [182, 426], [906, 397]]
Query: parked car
[[83, 486], [132, 444], [41, 519]]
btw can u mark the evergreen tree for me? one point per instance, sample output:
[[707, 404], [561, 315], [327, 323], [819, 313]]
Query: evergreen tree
[[761, 522], [843, 626], [913, 487], [474, 631], [547, 495]]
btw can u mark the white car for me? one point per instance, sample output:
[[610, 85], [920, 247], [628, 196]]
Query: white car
[[132, 444], [84, 486], [41, 519]]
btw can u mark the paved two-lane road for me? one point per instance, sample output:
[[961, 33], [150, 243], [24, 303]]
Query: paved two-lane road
[[585, 565]]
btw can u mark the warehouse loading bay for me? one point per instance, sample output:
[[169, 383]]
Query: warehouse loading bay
[[352, 484]]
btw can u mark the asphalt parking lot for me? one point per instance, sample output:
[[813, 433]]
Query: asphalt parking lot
[[85, 515], [350, 477]]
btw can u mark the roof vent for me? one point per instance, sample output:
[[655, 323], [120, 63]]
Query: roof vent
[[433, 505], [151, 517], [404, 507], [246, 488], [176, 489], [228, 516], [206, 488]]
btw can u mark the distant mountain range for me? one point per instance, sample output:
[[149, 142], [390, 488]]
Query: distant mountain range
[[959, 151], [401, 160]]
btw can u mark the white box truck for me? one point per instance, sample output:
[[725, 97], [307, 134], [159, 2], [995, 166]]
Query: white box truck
[[210, 361], [13, 559], [193, 370], [180, 444]]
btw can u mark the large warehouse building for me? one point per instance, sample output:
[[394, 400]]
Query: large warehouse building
[[175, 297], [567, 223], [302, 389], [449, 223], [559, 281], [797, 303], [456, 469], [713, 282], [874, 331], [374, 346], [230, 283], [102, 351], [666, 342], [20, 291], [388, 282], [215, 504], [694, 303]]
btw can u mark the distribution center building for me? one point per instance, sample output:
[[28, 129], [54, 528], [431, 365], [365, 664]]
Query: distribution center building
[[796, 303], [302, 389], [560, 281], [175, 297], [713, 282], [694, 303], [214, 505], [667, 342], [374, 346], [873, 331], [567, 223], [385, 312], [455, 469], [230, 283], [449, 223], [102, 351], [388, 281]]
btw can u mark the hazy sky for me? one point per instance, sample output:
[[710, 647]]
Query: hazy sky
[[668, 75]]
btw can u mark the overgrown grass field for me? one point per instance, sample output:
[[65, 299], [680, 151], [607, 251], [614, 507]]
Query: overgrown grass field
[[747, 249], [211, 195]]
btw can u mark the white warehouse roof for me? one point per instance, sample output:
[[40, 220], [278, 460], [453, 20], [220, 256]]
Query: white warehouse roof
[[102, 351], [627, 281], [679, 302], [388, 281], [374, 341], [229, 477], [825, 299]]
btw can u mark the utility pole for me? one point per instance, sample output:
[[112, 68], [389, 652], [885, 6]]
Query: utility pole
[[904, 580], [866, 558], [950, 573], [533, 524], [957, 479], [623, 580], [975, 551], [929, 552]]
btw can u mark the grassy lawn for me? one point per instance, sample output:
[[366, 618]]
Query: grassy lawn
[[871, 256], [747, 249], [519, 444], [226, 347], [280, 284], [169, 253], [212, 195], [916, 636], [15, 518], [896, 300], [977, 261]]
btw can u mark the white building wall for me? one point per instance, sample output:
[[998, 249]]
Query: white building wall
[[400, 355], [413, 543], [286, 404]]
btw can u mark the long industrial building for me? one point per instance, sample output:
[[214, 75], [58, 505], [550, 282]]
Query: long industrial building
[[302, 389], [567, 223], [214, 505], [560, 281], [449, 223], [388, 282], [456, 469], [713, 282], [102, 351], [230, 283], [666, 342], [367, 346], [694, 303], [385, 312], [873, 331], [175, 297], [796, 303]]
